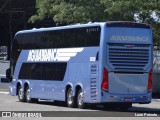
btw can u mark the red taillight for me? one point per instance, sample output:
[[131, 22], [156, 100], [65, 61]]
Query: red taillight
[[105, 85], [150, 81]]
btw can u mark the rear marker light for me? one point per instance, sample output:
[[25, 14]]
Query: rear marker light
[[105, 83], [150, 81]]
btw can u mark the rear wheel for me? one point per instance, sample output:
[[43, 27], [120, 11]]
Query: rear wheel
[[21, 95], [70, 98], [80, 98], [28, 97]]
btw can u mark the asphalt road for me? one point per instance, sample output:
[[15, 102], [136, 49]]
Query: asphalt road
[[11, 103], [4, 65], [3, 86]]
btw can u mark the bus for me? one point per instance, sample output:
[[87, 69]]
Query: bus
[[95, 63]]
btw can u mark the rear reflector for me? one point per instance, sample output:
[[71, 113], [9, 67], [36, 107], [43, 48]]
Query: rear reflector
[[105, 84], [150, 81]]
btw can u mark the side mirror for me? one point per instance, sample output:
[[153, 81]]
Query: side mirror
[[8, 73]]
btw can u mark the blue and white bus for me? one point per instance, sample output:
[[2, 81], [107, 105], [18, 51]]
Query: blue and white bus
[[103, 63]]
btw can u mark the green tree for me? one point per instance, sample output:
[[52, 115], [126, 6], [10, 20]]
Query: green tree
[[69, 11], [143, 11], [82, 11], [134, 10]]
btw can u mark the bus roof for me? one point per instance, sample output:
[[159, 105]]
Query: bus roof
[[62, 27], [109, 24]]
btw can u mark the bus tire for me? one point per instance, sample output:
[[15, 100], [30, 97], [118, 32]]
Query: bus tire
[[70, 99], [28, 98], [21, 95], [80, 102]]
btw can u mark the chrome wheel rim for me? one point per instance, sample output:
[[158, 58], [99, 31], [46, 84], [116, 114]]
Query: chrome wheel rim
[[20, 93], [28, 94], [80, 98], [69, 97]]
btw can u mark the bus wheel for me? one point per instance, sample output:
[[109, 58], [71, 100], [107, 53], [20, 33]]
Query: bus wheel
[[70, 98], [21, 96], [80, 102], [28, 97]]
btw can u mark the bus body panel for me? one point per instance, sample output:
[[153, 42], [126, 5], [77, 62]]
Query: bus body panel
[[128, 98], [36, 88], [128, 53], [128, 83]]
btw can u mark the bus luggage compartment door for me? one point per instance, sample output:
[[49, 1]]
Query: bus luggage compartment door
[[121, 83]]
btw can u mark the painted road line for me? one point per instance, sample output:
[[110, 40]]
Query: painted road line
[[1, 92], [2, 75], [156, 100]]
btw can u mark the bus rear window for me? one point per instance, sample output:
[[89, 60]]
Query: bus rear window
[[128, 24]]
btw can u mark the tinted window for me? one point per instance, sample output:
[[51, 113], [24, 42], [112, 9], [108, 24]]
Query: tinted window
[[92, 36], [14, 55], [127, 24], [80, 37], [43, 71], [31, 40], [58, 37], [67, 38]]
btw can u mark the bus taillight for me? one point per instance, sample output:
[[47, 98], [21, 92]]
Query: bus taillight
[[105, 85], [150, 81]]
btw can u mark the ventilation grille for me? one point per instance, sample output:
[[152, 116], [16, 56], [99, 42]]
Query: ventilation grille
[[128, 57], [94, 74]]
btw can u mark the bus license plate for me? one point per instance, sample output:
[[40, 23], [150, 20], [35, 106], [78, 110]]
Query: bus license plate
[[128, 99]]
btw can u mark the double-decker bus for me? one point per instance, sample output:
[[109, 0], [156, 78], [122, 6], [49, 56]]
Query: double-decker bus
[[103, 63]]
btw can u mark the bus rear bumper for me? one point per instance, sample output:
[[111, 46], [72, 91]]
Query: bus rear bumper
[[137, 98]]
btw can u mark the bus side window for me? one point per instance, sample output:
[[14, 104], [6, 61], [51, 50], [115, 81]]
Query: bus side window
[[58, 39], [69, 38], [33, 67], [92, 36], [80, 37]]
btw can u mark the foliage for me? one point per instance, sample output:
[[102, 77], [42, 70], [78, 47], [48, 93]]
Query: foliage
[[69, 11], [82, 11], [143, 11]]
